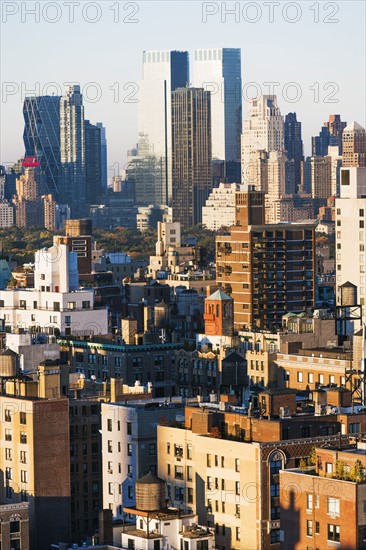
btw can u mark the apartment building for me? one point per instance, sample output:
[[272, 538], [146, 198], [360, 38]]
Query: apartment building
[[34, 435], [55, 305], [129, 446], [230, 483], [14, 521], [268, 270], [324, 506]]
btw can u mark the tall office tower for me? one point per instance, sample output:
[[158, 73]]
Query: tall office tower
[[354, 145], [2, 182], [104, 155], [42, 138], [145, 172], [27, 207], [264, 130], [93, 163], [351, 231], [321, 177], [335, 126], [329, 135], [6, 210], [294, 151], [163, 72], [320, 143], [219, 71], [72, 142], [191, 154], [335, 159], [267, 269]]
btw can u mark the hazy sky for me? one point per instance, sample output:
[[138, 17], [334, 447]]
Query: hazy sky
[[320, 46]]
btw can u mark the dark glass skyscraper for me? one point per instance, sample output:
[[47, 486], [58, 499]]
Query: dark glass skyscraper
[[191, 154], [103, 145], [72, 143], [93, 163], [294, 151], [42, 138]]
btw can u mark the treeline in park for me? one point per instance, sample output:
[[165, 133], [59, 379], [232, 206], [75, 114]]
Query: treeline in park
[[19, 244]]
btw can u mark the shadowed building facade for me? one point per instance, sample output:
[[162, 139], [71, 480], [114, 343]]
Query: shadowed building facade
[[191, 147]]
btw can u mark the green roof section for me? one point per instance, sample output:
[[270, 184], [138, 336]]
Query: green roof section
[[219, 295]]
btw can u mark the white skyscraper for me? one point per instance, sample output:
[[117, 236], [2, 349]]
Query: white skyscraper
[[351, 232], [72, 144], [264, 130], [218, 70], [163, 72]]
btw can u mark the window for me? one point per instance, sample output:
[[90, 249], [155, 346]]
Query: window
[[237, 465], [168, 448], [208, 461], [14, 526], [321, 378], [189, 451], [179, 493], [329, 467], [23, 457], [275, 490], [9, 473], [68, 319], [209, 482], [299, 376], [309, 528], [275, 512], [152, 449], [334, 532], [178, 450], [310, 378], [238, 533], [129, 428], [178, 472], [189, 473], [190, 495], [23, 476], [109, 424], [23, 437], [8, 435], [209, 505], [333, 506], [8, 454], [354, 428], [275, 466], [317, 527], [222, 462], [275, 536], [110, 448], [85, 305], [237, 487], [71, 305], [129, 449], [7, 415], [309, 501]]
